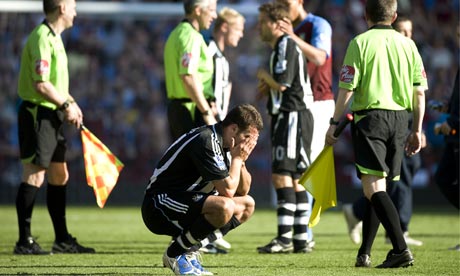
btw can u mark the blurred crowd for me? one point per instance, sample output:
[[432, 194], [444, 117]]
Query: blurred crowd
[[117, 78]]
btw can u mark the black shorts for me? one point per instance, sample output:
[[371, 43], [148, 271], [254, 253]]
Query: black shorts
[[181, 117], [41, 138], [292, 133], [169, 213], [378, 141]]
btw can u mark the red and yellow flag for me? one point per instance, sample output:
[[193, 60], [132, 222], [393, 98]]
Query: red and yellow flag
[[319, 180], [101, 166]]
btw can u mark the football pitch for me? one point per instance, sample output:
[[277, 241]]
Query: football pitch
[[125, 247]]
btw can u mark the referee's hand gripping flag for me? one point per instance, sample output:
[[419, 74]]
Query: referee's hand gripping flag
[[101, 165], [319, 179]]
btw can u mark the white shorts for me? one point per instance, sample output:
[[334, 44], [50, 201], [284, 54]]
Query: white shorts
[[322, 111]]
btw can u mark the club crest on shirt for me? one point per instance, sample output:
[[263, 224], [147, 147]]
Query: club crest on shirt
[[423, 73], [197, 197], [347, 74], [185, 60], [42, 67]]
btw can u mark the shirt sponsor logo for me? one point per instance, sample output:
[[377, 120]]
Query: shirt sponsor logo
[[347, 74], [220, 162], [185, 61], [42, 67]]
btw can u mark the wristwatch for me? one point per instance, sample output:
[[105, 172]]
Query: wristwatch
[[65, 105], [332, 122]]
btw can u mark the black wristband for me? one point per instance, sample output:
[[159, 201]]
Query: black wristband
[[65, 105], [332, 122], [206, 113]]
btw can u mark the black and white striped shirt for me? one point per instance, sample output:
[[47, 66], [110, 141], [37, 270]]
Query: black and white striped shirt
[[192, 162], [220, 79], [287, 66]]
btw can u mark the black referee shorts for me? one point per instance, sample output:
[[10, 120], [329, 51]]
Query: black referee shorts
[[181, 117], [378, 140], [41, 138]]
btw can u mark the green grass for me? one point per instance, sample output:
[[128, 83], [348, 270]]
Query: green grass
[[125, 247]]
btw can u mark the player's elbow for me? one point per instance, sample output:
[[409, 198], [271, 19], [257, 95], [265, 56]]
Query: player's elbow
[[319, 58]]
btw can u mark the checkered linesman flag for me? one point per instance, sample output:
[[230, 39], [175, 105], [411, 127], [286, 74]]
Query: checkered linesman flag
[[101, 165]]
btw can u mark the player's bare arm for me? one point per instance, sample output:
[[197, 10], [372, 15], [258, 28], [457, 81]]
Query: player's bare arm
[[313, 54], [245, 182], [240, 151], [190, 84]]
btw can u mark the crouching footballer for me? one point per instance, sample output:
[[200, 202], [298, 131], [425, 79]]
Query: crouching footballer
[[196, 189]]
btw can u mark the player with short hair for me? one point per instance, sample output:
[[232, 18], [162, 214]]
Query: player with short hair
[[287, 89], [46, 104], [195, 189], [189, 69], [313, 35], [382, 84], [228, 30]]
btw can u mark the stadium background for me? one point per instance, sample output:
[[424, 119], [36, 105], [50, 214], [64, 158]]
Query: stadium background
[[115, 52]]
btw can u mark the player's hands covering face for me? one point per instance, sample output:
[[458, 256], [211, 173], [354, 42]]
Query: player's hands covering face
[[244, 143]]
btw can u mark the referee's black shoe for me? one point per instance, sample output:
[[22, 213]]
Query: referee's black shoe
[[70, 246], [403, 259], [29, 247]]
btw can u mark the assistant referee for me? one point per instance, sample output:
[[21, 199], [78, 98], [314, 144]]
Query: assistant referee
[[189, 70]]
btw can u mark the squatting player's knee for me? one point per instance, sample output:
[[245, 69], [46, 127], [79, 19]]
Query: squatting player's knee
[[218, 210], [227, 209], [249, 207]]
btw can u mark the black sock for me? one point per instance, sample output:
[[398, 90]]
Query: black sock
[[285, 213], [25, 200], [300, 220], [56, 202], [219, 233], [386, 212], [370, 227], [232, 224], [200, 229], [358, 207]]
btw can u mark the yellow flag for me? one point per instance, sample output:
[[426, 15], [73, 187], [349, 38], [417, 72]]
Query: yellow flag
[[319, 180], [101, 166]]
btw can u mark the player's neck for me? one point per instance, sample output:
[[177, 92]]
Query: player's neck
[[220, 42], [302, 15], [275, 39]]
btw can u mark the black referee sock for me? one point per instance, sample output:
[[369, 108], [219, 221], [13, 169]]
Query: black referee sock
[[370, 227], [56, 202], [388, 215], [199, 230], [285, 213], [25, 200]]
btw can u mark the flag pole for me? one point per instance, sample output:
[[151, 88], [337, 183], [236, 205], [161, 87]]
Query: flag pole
[[341, 126]]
